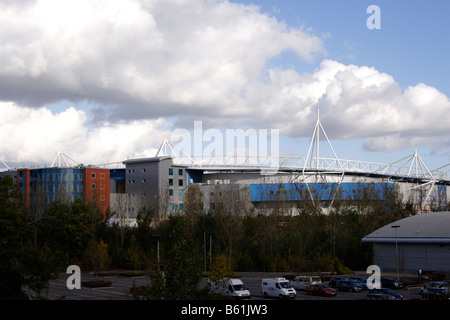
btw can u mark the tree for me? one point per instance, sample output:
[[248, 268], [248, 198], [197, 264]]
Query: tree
[[220, 271], [184, 270], [21, 264], [97, 255], [66, 230]]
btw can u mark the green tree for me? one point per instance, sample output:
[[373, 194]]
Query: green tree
[[21, 264], [220, 271], [184, 270], [66, 230]]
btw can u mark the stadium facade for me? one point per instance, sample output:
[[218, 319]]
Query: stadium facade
[[284, 184]]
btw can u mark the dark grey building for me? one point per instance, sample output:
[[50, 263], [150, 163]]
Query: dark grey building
[[155, 183], [423, 243]]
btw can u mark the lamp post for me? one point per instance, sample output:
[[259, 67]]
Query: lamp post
[[396, 250], [157, 237], [210, 247]]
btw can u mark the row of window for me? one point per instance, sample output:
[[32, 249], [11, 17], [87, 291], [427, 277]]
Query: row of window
[[171, 182], [144, 195], [56, 188], [57, 177], [180, 172], [172, 207], [102, 175], [143, 170]]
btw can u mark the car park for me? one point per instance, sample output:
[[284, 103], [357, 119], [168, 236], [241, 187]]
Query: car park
[[391, 283], [321, 290], [348, 285], [383, 294]]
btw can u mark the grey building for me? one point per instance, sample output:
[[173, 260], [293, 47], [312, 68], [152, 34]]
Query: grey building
[[154, 183], [422, 242]]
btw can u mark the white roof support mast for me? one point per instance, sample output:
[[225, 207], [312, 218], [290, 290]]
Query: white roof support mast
[[314, 149]]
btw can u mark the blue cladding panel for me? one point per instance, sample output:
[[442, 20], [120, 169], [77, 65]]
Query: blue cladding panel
[[320, 191], [195, 175]]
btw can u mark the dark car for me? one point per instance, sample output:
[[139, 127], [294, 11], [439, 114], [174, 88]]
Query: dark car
[[434, 294], [348, 285], [383, 294], [333, 281], [320, 290], [435, 291], [391, 283], [361, 281]]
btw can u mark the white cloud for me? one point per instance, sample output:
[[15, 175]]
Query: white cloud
[[354, 102], [35, 136], [141, 61], [156, 57]]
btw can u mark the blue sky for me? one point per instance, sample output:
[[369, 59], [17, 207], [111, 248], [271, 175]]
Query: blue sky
[[411, 46], [106, 80]]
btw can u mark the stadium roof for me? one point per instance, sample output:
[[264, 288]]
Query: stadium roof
[[433, 227]]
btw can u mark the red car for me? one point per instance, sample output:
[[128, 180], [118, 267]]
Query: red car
[[320, 290], [433, 276]]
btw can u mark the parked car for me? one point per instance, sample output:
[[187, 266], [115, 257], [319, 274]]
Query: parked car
[[360, 280], [303, 282], [434, 293], [383, 294], [391, 283], [321, 290], [439, 284], [433, 275], [333, 281], [348, 285]]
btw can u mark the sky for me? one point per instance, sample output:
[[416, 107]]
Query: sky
[[107, 80]]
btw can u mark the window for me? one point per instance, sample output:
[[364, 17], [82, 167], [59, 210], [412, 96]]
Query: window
[[170, 193], [180, 172], [180, 193], [102, 176], [180, 207], [170, 171], [180, 183], [170, 182], [93, 175], [93, 186], [170, 206]]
